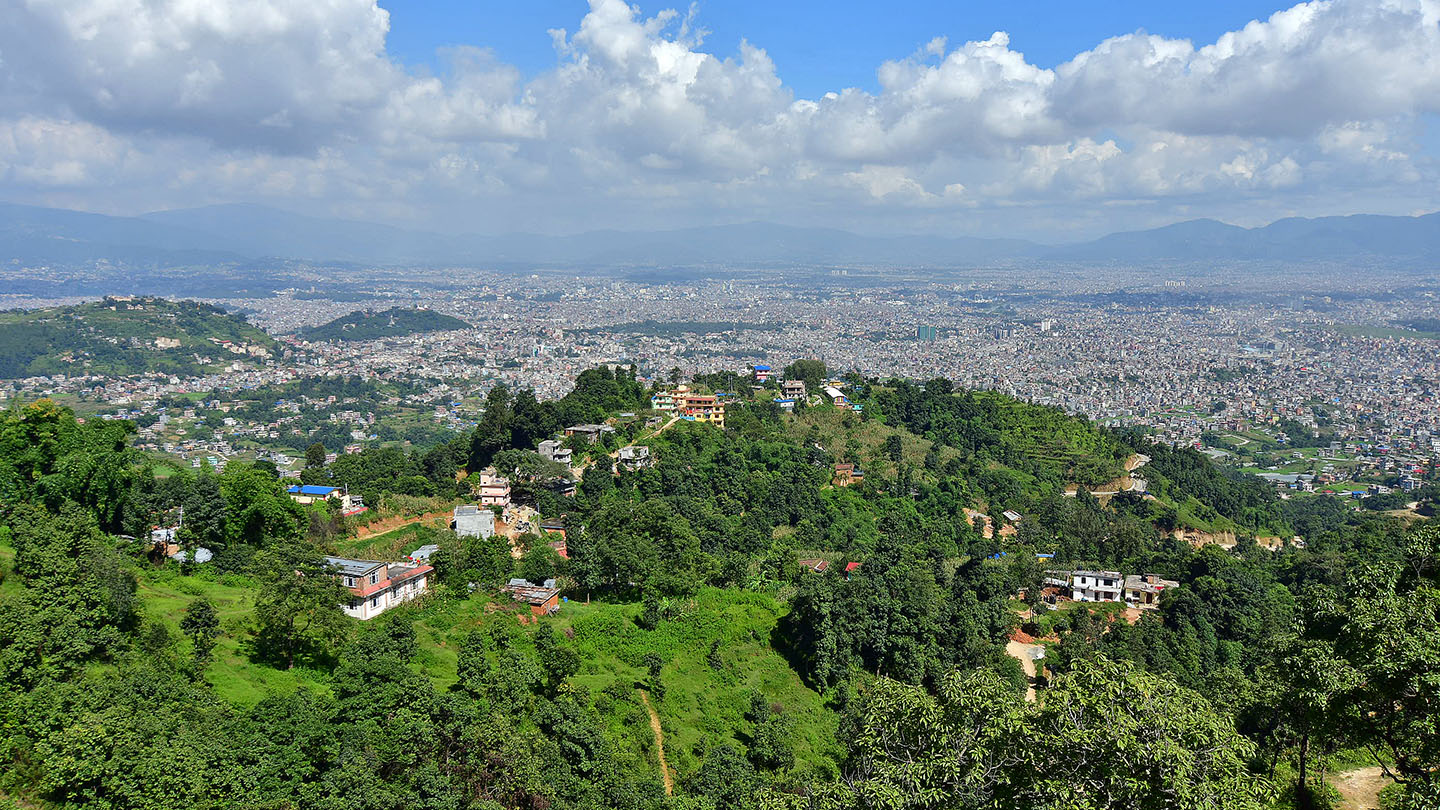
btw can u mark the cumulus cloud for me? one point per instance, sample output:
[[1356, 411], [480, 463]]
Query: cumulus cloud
[[171, 102]]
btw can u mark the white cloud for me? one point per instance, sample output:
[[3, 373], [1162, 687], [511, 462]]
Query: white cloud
[[145, 103]]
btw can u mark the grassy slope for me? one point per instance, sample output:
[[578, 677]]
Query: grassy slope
[[702, 705], [165, 594]]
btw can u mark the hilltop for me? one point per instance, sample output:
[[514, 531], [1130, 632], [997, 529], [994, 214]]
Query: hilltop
[[394, 322], [127, 335]]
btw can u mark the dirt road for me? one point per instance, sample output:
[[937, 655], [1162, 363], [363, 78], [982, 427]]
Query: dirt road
[[1360, 788], [1021, 652], [394, 522], [659, 743]]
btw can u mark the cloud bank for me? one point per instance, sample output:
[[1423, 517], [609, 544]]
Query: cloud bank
[[130, 105]]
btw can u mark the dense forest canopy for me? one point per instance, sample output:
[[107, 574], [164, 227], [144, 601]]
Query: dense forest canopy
[[393, 322], [873, 675]]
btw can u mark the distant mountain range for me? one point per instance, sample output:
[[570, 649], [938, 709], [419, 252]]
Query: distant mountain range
[[237, 233]]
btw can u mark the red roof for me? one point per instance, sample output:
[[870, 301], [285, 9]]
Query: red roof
[[851, 566]]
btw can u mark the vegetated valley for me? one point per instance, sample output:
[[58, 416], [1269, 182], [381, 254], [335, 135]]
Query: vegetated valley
[[807, 609]]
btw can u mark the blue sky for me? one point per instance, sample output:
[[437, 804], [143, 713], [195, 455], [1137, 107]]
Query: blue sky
[[1080, 119], [819, 46]]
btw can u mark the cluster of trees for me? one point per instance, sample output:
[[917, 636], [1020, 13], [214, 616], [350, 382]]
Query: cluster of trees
[[393, 322], [1044, 444], [1183, 473]]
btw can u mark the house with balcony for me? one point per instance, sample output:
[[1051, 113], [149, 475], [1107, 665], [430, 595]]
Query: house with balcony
[[376, 586], [635, 457], [793, 389], [493, 489], [1097, 586], [702, 408], [553, 450]]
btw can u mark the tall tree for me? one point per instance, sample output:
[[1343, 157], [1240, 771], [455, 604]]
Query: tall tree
[[297, 611], [202, 624], [315, 456]]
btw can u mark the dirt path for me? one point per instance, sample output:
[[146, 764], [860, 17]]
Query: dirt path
[[392, 523], [659, 742], [1021, 652], [1360, 788]]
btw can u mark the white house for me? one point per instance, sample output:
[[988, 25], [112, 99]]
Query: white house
[[1096, 586], [375, 587]]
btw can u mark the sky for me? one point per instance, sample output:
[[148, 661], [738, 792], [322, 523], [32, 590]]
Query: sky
[[1053, 121]]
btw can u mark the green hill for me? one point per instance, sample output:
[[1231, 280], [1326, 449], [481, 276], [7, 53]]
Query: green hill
[[394, 322], [120, 336]]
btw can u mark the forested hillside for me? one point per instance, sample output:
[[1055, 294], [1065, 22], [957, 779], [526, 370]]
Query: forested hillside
[[874, 674], [126, 336], [393, 322]]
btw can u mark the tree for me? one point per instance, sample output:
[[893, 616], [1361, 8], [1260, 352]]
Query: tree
[[557, 659], [894, 447], [315, 456], [770, 734], [653, 664], [813, 372], [725, 778], [493, 434], [202, 624], [539, 563], [1106, 736], [297, 610]]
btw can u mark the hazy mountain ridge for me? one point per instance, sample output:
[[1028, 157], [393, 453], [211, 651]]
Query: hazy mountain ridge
[[231, 233], [393, 322]]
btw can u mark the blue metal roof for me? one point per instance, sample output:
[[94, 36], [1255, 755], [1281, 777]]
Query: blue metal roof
[[310, 489]]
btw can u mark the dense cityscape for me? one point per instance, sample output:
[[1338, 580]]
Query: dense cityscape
[[1307, 386]]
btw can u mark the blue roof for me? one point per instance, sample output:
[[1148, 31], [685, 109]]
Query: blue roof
[[310, 489], [762, 368]]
